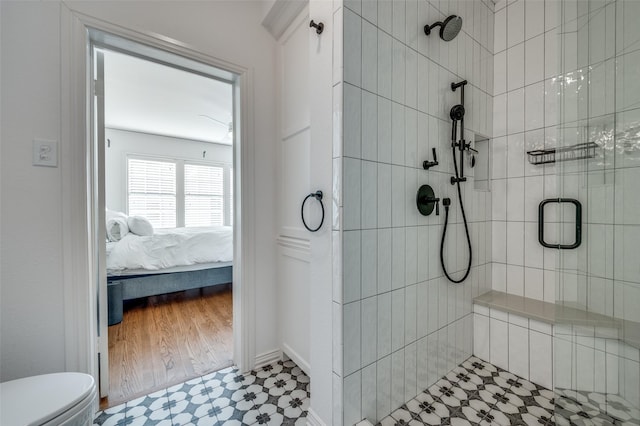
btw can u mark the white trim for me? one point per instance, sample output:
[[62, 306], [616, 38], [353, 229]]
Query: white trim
[[298, 233], [292, 132], [300, 362], [80, 303], [303, 245], [244, 281], [281, 15], [301, 255], [268, 358], [295, 248], [313, 419]]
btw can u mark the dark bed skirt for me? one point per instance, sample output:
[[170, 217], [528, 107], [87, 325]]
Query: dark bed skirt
[[133, 287]]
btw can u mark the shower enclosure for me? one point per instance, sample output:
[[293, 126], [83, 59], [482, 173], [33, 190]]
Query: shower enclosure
[[400, 324], [596, 355]]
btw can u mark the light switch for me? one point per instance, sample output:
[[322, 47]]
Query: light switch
[[45, 153]]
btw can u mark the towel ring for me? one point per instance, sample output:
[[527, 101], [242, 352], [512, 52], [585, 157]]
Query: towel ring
[[318, 196]]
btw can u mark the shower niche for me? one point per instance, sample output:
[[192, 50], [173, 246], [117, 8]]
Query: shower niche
[[480, 163]]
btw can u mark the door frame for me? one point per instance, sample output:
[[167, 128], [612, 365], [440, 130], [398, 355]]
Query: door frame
[[81, 309]]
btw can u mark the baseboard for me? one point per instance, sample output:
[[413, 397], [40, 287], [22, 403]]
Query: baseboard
[[313, 419], [300, 362], [267, 358]]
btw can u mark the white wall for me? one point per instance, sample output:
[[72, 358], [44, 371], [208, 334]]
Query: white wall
[[32, 316], [32, 329], [603, 274], [122, 143], [322, 63], [517, 344], [525, 118], [294, 251], [305, 64], [564, 77]]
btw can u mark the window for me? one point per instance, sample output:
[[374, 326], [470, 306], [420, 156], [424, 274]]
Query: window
[[174, 193], [152, 191], [203, 195]]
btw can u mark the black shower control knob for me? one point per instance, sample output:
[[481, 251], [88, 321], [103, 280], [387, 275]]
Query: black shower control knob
[[428, 164]]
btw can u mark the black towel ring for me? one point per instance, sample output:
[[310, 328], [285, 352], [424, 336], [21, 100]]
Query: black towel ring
[[318, 196]]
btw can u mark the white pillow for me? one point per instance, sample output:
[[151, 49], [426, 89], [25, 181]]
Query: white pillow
[[117, 228], [140, 226], [112, 214]]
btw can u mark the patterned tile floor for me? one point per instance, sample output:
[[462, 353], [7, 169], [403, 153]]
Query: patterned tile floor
[[277, 394], [591, 408], [474, 393], [478, 393]]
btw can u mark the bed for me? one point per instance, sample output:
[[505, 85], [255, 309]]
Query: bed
[[170, 260]]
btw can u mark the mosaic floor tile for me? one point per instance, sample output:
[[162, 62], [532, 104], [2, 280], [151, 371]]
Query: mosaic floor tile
[[474, 393], [276, 394], [478, 393]]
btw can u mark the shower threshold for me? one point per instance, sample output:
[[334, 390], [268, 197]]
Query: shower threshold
[[479, 393]]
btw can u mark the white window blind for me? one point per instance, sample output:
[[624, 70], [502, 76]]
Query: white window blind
[[152, 191], [203, 195]]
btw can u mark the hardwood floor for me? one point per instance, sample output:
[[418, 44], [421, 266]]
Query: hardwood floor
[[165, 340]]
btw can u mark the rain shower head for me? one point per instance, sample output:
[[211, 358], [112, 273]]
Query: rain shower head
[[449, 29]]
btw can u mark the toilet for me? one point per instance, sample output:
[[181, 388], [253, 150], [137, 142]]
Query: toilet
[[51, 399]]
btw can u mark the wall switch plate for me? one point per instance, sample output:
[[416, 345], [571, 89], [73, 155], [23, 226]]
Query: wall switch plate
[[45, 153]]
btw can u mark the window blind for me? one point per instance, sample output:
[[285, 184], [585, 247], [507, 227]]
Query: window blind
[[152, 191], [204, 195]]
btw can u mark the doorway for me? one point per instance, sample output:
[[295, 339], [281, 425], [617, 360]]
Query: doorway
[[163, 194]]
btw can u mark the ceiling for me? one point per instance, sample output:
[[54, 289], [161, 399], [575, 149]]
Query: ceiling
[[148, 97]]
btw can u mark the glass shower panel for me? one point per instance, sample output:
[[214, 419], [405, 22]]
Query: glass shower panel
[[597, 337]]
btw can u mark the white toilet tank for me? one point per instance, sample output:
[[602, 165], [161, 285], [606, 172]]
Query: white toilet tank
[[50, 399]]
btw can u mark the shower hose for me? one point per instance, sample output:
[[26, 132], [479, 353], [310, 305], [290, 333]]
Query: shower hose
[[466, 227]]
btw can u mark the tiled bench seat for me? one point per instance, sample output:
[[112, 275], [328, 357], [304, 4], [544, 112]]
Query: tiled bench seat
[[517, 333]]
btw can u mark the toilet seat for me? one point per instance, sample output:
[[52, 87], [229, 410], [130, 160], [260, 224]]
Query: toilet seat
[[47, 399]]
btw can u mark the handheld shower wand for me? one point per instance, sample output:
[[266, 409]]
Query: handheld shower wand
[[457, 114]]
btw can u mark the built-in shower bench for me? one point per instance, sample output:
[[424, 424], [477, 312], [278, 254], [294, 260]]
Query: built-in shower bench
[[517, 334], [545, 312]]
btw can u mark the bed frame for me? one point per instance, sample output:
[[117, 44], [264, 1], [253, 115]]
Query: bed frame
[[121, 288]]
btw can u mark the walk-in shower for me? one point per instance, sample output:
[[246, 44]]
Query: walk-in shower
[[557, 323]]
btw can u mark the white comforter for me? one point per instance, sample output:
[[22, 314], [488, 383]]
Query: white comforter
[[171, 247]]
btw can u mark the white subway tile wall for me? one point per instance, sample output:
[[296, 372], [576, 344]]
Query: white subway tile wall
[[521, 346], [524, 118], [403, 325], [602, 106]]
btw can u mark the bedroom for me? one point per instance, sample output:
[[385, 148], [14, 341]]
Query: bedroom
[[168, 194]]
